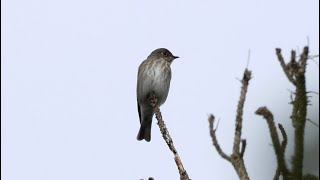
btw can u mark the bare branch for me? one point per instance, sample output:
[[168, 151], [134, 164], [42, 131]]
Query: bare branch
[[303, 60], [284, 66], [283, 146], [284, 136], [214, 139], [237, 137], [166, 136], [293, 57], [263, 111], [236, 157]]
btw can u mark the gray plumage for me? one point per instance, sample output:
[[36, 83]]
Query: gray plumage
[[154, 76]]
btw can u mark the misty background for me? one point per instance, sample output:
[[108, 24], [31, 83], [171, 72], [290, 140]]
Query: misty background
[[68, 79]]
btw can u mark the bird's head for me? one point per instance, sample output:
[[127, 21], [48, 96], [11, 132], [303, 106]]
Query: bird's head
[[163, 53]]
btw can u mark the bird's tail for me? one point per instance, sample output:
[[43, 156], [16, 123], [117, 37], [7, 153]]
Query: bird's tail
[[145, 132]]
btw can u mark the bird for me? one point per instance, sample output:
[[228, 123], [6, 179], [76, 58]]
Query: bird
[[154, 76]]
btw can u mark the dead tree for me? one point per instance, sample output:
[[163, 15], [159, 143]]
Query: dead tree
[[295, 71]]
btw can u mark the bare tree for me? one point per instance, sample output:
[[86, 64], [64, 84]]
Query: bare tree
[[295, 71]]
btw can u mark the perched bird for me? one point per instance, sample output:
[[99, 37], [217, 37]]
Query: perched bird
[[154, 76]]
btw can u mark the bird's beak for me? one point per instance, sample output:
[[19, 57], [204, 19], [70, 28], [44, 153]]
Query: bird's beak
[[175, 57]]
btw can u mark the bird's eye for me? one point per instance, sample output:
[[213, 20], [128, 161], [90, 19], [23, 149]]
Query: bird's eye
[[164, 53]]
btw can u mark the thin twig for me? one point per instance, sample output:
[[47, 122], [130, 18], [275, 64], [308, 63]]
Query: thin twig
[[214, 139], [284, 136], [248, 61], [303, 60], [313, 92], [315, 124], [243, 147], [314, 56], [313, 60], [284, 66], [283, 146], [166, 136]]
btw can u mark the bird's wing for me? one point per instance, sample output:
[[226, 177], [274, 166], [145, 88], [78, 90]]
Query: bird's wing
[[139, 110]]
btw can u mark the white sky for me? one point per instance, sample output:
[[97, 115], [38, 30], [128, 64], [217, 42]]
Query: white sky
[[68, 81]]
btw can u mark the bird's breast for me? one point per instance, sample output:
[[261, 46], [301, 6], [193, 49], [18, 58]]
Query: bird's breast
[[155, 78]]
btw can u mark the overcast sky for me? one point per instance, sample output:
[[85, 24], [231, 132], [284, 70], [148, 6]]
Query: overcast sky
[[68, 79]]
